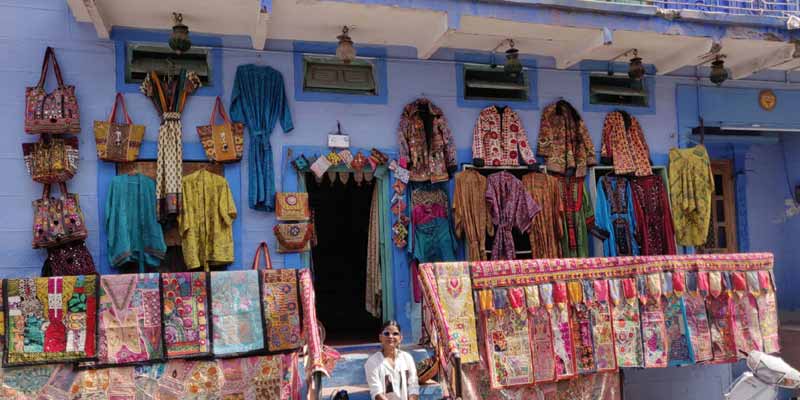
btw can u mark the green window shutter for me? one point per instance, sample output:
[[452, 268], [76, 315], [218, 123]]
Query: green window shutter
[[482, 82], [330, 75], [141, 58]]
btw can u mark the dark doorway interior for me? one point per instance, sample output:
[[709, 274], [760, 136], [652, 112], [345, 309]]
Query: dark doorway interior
[[341, 216]]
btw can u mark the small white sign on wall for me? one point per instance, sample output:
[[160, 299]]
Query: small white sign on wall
[[338, 141]]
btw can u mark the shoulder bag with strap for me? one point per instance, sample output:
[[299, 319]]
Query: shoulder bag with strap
[[54, 112], [52, 160], [281, 304], [118, 142], [57, 220], [225, 142]]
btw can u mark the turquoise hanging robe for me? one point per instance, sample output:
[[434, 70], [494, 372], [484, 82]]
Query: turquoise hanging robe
[[259, 100]]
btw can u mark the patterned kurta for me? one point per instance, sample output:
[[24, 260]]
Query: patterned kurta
[[578, 216], [470, 212], [564, 141], [546, 227], [510, 206], [691, 185], [259, 100], [426, 142], [499, 139], [624, 145], [207, 220], [654, 231], [615, 214]]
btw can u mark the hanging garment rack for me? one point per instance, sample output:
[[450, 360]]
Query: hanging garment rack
[[539, 168]]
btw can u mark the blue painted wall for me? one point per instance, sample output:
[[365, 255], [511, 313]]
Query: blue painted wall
[[90, 64]]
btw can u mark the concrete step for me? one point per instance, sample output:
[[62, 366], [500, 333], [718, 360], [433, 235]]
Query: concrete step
[[350, 368], [429, 391]]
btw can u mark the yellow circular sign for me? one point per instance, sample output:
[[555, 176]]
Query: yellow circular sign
[[767, 99]]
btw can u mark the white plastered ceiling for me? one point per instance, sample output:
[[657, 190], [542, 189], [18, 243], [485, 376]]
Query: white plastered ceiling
[[428, 31]]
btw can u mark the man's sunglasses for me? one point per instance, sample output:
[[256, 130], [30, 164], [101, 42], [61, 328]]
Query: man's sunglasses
[[389, 334]]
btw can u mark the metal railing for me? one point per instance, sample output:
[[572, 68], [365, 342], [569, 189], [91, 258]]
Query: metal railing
[[770, 8]]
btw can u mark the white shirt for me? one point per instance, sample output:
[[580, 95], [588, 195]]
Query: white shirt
[[403, 376]]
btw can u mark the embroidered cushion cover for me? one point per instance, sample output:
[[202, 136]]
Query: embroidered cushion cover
[[130, 329], [236, 313], [50, 319], [281, 309], [186, 307]]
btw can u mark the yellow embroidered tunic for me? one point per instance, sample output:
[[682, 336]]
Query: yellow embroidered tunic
[[691, 186], [206, 220]]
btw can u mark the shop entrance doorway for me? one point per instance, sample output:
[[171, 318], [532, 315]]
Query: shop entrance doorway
[[341, 206]]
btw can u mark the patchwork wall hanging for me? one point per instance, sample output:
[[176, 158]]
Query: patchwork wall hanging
[[654, 335], [581, 328], [186, 307], [677, 331], [768, 319], [721, 322], [544, 362], [50, 319], [129, 314], [747, 334], [627, 327], [508, 346], [237, 319], [602, 327], [455, 287], [698, 327], [281, 309], [563, 342]]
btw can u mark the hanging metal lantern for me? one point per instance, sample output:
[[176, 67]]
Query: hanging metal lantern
[[179, 40], [635, 68], [513, 66], [345, 50], [718, 72]]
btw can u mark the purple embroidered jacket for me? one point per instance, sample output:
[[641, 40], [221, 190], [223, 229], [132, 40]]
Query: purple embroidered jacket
[[510, 206]]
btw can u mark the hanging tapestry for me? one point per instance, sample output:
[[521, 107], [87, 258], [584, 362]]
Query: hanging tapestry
[[508, 346], [276, 377], [627, 333], [720, 320], [316, 360], [654, 335], [697, 326], [2, 313], [281, 309], [544, 363], [50, 319], [768, 319], [677, 331], [603, 335], [747, 334], [563, 343], [455, 289], [186, 305], [25, 383], [237, 324], [129, 313], [581, 327], [187, 379]]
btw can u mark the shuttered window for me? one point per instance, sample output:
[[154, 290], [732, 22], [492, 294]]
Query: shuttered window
[[617, 91], [482, 82], [328, 74], [141, 58]]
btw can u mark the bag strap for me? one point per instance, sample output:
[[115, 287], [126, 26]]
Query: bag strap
[[48, 55], [119, 99], [262, 248], [46, 191], [219, 108]]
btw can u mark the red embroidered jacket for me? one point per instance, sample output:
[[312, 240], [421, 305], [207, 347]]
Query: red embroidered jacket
[[499, 139]]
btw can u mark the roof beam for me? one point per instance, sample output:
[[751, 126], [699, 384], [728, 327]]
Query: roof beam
[[88, 11], [427, 50], [752, 65], [261, 30], [578, 54], [688, 55]]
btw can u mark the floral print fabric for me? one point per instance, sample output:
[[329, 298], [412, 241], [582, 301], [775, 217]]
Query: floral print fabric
[[236, 312], [130, 319], [654, 335], [624, 144], [677, 331], [508, 347], [50, 319], [510, 206], [186, 306], [627, 333], [499, 138], [455, 288], [564, 140]]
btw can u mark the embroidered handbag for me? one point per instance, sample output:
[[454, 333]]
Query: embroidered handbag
[[281, 304], [294, 238], [68, 260], [57, 220], [223, 143], [54, 112], [51, 160], [292, 206], [118, 142]]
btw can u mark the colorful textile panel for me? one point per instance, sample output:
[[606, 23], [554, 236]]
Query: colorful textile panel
[[698, 327], [236, 312], [721, 321], [581, 327], [627, 334], [129, 312], [2, 312], [186, 305], [768, 318], [678, 342], [747, 334], [455, 291], [281, 309], [654, 335], [508, 346], [563, 342], [50, 319], [603, 335], [541, 331]]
